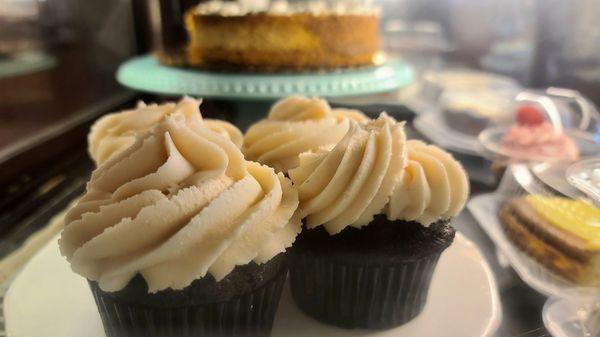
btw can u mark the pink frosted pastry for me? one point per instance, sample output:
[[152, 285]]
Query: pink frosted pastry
[[534, 137]]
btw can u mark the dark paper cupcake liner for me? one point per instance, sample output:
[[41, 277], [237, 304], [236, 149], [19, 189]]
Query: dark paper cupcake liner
[[359, 294], [249, 315]]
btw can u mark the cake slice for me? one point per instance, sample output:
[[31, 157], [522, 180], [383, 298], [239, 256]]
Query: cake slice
[[562, 234]]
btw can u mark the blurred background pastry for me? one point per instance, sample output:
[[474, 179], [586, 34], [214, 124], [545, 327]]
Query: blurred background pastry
[[471, 111], [282, 35], [560, 233]]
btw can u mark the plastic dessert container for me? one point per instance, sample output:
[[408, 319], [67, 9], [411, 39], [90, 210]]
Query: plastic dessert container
[[503, 215], [544, 131], [585, 176], [572, 316]]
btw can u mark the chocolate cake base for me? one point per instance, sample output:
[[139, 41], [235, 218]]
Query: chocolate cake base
[[242, 304], [376, 277]]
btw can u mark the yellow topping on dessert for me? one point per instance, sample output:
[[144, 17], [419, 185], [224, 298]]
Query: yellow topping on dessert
[[576, 217]]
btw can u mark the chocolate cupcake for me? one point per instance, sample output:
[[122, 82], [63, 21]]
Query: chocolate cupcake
[[179, 235], [296, 124], [376, 210]]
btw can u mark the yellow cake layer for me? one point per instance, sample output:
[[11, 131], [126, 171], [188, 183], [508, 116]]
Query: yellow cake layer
[[575, 217]]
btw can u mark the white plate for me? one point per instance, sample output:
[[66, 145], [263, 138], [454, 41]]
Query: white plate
[[47, 299], [431, 125], [485, 209]]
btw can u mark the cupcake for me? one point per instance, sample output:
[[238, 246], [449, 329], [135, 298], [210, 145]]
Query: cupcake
[[376, 211], [115, 132], [296, 124], [178, 234]]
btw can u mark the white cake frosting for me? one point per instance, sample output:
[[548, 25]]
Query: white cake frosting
[[375, 170], [115, 132], [284, 7], [296, 124]]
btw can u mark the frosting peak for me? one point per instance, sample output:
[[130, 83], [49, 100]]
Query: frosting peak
[[295, 125], [113, 133], [179, 203], [434, 186], [299, 108], [374, 169], [350, 184]]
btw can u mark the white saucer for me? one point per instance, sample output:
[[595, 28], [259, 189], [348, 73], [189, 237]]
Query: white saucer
[[47, 299]]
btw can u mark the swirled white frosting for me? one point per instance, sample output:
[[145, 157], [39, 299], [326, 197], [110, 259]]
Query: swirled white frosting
[[372, 170], [350, 184], [434, 186], [179, 203], [295, 125], [115, 132]]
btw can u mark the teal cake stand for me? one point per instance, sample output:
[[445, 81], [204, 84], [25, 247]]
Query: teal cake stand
[[251, 94], [145, 73]]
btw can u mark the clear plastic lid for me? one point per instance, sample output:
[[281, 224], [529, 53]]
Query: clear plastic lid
[[585, 175], [531, 222], [545, 130]]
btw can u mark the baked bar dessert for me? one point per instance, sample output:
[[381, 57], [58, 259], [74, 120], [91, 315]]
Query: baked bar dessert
[[562, 234], [282, 36]]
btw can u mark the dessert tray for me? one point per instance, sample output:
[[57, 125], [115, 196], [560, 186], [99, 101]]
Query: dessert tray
[[485, 209], [47, 299], [145, 73]]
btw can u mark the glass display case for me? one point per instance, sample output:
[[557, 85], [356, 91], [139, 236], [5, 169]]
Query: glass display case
[[505, 90]]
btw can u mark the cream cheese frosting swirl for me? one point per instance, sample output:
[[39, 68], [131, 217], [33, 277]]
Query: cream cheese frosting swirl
[[350, 184], [115, 132], [179, 203], [297, 124], [373, 170], [434, 186]]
